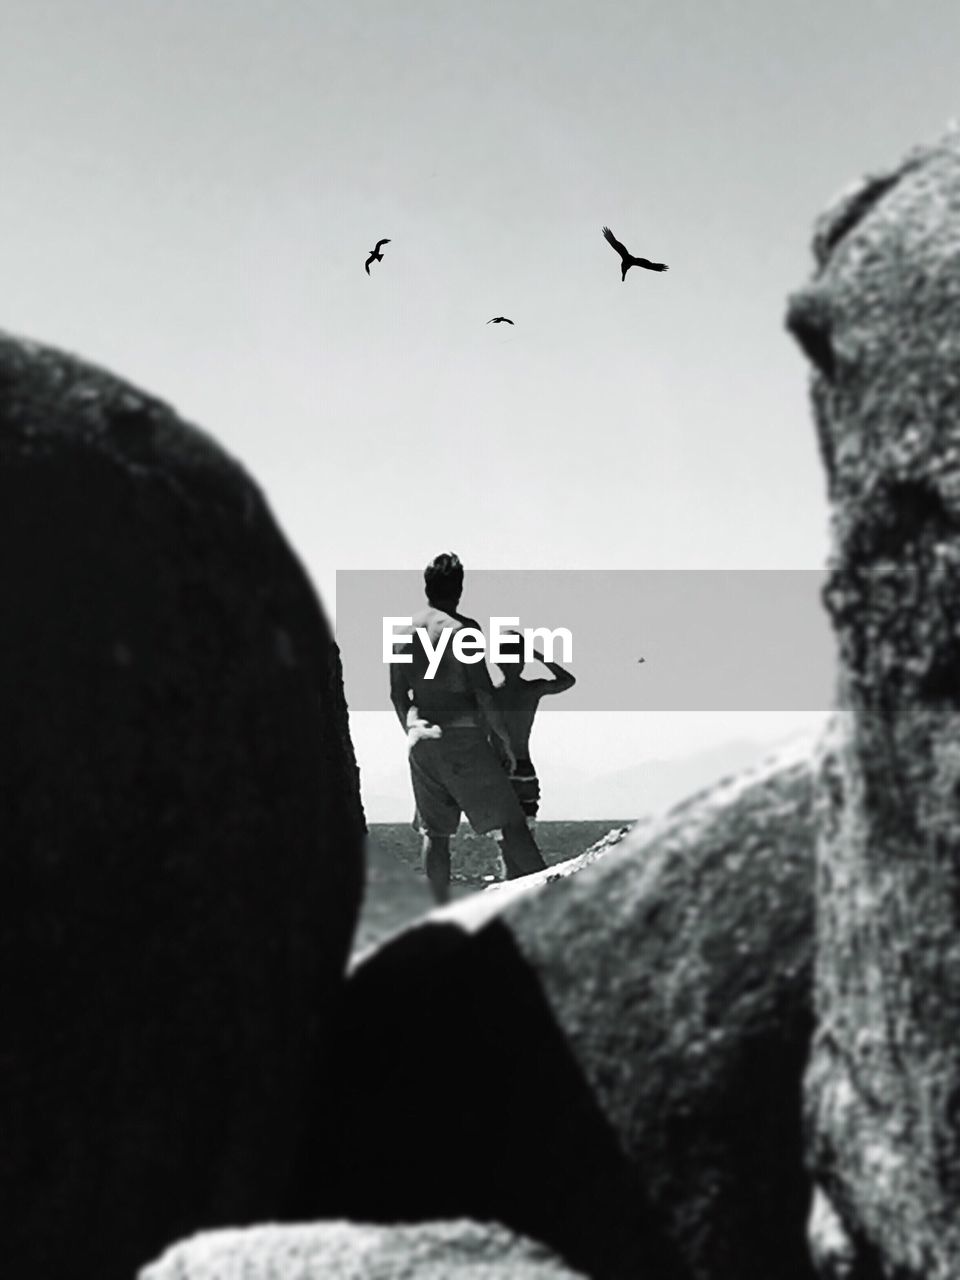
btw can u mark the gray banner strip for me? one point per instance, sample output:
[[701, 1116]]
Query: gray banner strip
[[710, 640]]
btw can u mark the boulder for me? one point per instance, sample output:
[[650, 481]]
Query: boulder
[[609, 1061], [180, 829], [460, 1250], [881, 323]]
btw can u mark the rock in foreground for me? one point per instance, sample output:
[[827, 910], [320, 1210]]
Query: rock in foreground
[[881, 322], [348, 1251], [180, 829], [611, 1063]]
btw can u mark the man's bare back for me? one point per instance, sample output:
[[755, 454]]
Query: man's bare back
[[449, 698]]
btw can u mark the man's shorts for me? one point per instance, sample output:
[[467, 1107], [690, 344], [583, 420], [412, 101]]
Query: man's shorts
[[526, 786], [460, 773]]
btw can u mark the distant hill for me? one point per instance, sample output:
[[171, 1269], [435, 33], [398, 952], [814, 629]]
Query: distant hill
[[648, 787], [652, 786]]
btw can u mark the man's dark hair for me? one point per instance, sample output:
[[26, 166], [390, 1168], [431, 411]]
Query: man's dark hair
[[443, 578]]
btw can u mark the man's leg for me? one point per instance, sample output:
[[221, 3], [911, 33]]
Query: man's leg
[[520, 853], [436, 863], [438, 813]]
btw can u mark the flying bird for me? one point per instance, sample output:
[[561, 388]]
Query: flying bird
[[627, 259], [500, 320], [375, 255]]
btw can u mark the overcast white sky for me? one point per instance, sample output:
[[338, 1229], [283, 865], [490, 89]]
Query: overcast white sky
[[190, 187]]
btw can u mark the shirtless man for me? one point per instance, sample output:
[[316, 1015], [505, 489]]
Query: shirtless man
[[518, 700], [449, 721]]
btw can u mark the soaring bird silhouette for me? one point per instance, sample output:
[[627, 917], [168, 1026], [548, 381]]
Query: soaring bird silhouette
[[627, 260], [500, 320], [375, 255]]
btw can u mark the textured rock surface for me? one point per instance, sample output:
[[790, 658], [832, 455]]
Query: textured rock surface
[[349, 1251], [610, 1063], [881, 322], [180, 829], [495, 896]]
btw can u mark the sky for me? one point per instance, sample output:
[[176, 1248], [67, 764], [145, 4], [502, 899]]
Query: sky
[[190, 188]]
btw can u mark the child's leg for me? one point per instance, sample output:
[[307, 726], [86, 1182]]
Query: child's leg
[[520, 853]]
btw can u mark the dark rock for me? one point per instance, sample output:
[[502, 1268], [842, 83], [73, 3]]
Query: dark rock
[[180, 829], [885, 1075], [610, 1063], [347, 1251]]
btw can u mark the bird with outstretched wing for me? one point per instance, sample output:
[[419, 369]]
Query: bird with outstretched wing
[[500, 320], [627, 260], [375, 255]]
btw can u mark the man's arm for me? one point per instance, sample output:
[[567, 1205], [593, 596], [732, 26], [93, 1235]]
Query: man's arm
[[401, 695]]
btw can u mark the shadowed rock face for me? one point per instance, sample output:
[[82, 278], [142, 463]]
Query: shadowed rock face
[[881, 322], [180, 829], [347, 1251], [611, 1064]]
